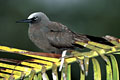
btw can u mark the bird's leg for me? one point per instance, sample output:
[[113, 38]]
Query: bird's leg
[[62, 59], [69, 55]]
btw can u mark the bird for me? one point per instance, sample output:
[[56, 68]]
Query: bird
[[54, 37]]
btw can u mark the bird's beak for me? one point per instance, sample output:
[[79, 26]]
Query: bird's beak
[[24, 21]]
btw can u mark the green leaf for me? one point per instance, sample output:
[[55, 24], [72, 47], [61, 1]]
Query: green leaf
[[108, 69], [96, 68], [44, 75], [26, 78], [82, 75], [39, 76], [35, 77], [82, 69], [31, 76], [116, 53], [64, 71], [81, 64], [69, 72], [86, 64], [115, 67], [2, 78], [62, 75], [54, 72]]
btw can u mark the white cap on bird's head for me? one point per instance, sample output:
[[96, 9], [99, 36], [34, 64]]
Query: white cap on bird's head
[[37, 17]]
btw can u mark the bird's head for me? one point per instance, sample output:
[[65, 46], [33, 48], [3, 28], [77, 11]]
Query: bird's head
[[34, 18]]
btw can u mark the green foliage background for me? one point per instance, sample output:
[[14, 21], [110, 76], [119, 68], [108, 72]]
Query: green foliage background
[[93, 17]]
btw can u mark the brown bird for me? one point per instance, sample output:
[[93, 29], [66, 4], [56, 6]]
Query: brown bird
[[54, 37]]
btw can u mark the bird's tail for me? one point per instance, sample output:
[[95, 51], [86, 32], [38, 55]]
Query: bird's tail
[[86, 38], [99, 40]]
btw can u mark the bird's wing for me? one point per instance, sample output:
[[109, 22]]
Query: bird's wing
[[59, 35], [57, 27]]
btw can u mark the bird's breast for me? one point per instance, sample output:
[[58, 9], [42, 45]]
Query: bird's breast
[[36, 34]]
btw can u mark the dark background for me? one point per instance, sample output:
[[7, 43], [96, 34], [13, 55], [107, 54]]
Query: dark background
[[93, 17]]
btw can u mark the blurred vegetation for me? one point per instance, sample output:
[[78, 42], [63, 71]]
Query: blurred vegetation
[[93, 17]]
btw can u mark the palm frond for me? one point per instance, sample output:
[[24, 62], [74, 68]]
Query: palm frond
[[36, 67]]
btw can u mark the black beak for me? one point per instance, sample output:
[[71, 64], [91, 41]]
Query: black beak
[[24, 21]]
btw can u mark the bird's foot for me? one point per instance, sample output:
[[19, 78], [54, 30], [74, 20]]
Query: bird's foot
[[62, 59]]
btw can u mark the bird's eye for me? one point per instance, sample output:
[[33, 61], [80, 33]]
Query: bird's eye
[[34, 18]]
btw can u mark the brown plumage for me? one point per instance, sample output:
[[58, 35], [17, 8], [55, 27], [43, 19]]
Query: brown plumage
[[53, 37]]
